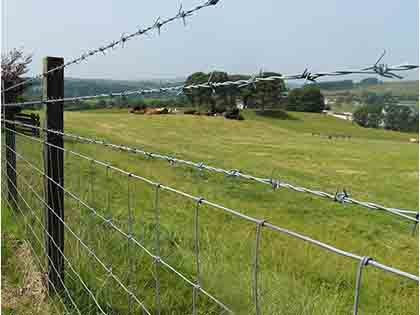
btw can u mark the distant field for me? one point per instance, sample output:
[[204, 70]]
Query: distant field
[[297, 278], [402, 89]]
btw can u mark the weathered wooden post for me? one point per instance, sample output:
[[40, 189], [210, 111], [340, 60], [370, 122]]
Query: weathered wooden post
[[10, 140], [53, 87]]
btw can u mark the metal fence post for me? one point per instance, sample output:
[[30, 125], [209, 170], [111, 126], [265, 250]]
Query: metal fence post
[[53, 87]]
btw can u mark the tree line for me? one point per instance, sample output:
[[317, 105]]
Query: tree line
[[271, 94], [388, 116]]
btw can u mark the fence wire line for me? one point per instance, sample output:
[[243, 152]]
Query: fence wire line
[[211, 204], [108, 270], [109, 221], [58, 248], [157, 25], [339, 197], [39, 242], [382, 70]]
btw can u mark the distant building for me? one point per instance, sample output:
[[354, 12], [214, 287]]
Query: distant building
[[340, 115]]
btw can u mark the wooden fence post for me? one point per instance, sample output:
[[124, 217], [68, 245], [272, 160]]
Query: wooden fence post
[[53, 87], [10, 139]]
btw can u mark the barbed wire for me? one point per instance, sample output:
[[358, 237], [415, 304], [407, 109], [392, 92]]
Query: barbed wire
[[239, 214], [339, 197], [382, 70], [157, 25]]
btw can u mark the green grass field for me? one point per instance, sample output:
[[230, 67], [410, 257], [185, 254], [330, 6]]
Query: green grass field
[[296, 278]]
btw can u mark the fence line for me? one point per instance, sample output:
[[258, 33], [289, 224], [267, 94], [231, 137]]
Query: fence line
[[212, 204], [159, 262], [157, 25], [91, 252], [382, 70], [340, 197], [109, 221], [39, 241]]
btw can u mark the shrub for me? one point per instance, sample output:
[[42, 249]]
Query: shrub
[[234, 114]]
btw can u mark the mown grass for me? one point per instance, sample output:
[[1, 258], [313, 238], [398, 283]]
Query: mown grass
[[296, 278]]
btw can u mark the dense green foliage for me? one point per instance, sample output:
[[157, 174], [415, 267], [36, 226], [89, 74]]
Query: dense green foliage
[[369, 81], [393, 117], [263, 94], [336, 85], [306, 99]]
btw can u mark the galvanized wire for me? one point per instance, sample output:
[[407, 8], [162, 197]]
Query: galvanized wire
[[130, 233], [363, 262], [339, 197], [55, 244], [109, 221], [42, 245], [382, 70], [216, 206], [157, 25], [157, 249], [256, 267], [81, 242]]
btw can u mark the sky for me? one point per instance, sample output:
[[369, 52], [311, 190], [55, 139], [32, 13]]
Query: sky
[[237, 36]]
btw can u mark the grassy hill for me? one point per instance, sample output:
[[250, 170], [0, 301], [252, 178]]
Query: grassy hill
[[404, 92], [296, 278], [403, 89]]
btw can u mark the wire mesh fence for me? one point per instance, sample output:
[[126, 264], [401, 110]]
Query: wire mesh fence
[[134, 245], [112, 240]]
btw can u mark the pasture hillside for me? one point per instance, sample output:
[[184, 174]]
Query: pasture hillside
[[296, 277], [405, 89]]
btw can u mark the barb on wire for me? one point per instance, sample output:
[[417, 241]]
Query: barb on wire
[[158, 24], [203, 201], [341, 197]]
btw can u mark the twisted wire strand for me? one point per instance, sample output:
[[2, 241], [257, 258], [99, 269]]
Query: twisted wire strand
[[157, 25], [216, 206], [380, 70], [44, 249], [276, 183]]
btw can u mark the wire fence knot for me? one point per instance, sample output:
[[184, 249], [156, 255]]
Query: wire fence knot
[[275, 183], [365, 260], [340, 196], [233, 173], [262, 222]]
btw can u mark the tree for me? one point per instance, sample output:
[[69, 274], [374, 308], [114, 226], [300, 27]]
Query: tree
[[391, 117], [306, 99], [401, 118], [205, 96], [370, 116], [196, 96], [14, 64], [267, 93], [369, 81]]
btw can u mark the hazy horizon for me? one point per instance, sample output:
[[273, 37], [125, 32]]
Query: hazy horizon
[[234, 36]]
